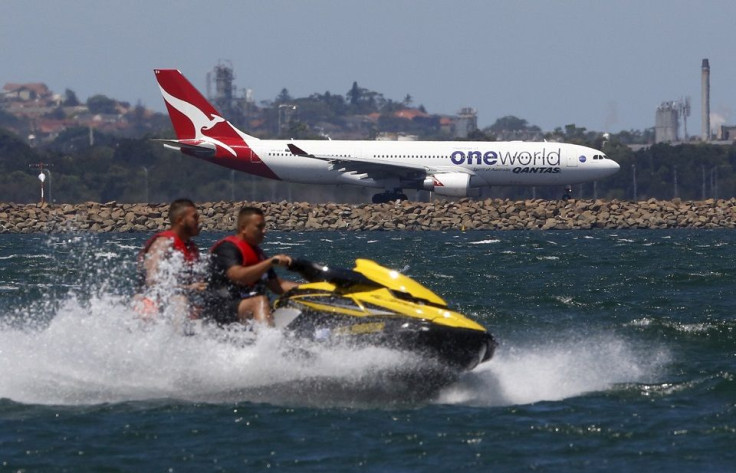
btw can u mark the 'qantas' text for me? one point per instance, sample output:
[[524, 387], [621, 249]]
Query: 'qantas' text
[[529, 170]]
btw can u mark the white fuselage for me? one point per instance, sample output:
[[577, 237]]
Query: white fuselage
[[488, 163]]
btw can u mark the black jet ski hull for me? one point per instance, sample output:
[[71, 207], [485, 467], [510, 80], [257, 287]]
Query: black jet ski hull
[[455, 348]]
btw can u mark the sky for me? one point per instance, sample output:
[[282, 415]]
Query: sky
[[602, 65]]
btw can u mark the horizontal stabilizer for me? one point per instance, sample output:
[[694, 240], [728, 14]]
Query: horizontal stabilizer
[[196, 148]]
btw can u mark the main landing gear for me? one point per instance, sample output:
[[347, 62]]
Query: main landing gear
[[568, 193], [389, 196]]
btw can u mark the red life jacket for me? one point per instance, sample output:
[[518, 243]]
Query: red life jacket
[[251, 254], [188, 249]]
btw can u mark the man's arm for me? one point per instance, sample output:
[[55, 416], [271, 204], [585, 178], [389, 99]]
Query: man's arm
[[153, 258], [280, 286], [247, 275]]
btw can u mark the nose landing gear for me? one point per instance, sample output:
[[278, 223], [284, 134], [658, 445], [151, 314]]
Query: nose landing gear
[[568, 193]]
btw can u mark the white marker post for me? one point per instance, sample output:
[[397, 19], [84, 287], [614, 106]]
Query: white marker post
[[42, 178]]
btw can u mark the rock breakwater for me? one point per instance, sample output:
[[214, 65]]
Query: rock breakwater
[[465, 214]]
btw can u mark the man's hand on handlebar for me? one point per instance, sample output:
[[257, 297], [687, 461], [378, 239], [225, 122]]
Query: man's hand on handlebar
[[281, 260]]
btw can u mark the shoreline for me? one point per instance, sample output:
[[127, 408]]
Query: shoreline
[[465, 214]]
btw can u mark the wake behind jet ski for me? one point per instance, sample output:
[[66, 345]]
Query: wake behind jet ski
[[371, 305]]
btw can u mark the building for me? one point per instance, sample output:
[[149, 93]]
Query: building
[[727, 133], [26, 92], [667, 123], [465, 123]]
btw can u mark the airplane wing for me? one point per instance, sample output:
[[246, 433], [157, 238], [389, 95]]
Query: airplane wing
[[377, 168]]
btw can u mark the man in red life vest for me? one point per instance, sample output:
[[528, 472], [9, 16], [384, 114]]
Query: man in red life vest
[[167, 263], [241, 273]]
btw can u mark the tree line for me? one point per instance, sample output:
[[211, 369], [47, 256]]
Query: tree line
[[140, 169]]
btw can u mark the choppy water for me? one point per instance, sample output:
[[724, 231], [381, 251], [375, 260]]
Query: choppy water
[[617, 353]]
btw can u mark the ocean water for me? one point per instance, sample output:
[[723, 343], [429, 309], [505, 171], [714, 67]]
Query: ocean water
[[617, 352]]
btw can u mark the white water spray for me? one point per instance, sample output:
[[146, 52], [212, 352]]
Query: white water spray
[[100, 351], [555, 370]]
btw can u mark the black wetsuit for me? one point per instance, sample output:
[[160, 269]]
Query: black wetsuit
[[223, 295]]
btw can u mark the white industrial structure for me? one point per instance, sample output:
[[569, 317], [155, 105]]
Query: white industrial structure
[[667, 121]]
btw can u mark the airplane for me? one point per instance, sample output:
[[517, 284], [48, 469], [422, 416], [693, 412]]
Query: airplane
[[447, 168]]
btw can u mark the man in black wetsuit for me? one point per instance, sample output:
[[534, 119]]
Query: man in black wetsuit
[[241, 273]]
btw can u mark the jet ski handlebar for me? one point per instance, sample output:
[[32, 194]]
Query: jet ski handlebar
[[314, 272]]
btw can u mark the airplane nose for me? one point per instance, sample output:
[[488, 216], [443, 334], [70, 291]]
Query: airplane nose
[[612, 166]]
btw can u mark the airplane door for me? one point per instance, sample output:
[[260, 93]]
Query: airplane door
[[572, 161]]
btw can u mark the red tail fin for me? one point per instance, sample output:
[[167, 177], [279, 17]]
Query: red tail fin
[[202, 132], [192, 116], [183, 100]]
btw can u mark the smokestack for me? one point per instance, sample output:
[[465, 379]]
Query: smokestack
[[705, 99]]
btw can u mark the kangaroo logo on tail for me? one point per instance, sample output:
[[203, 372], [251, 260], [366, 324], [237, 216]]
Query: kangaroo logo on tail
[[192, 116], [202, 132]]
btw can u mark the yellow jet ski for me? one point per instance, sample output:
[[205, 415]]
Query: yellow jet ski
[[371, 305]]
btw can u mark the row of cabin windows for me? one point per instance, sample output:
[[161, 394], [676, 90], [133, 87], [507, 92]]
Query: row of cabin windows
[[597, 156], [407, 156], [276, 153], [273, 153]]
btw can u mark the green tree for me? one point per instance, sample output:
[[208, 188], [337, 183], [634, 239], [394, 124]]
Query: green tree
[[15, 153], [478, 135], [509, 123], [363, 101], [101, 104], [354, 94], [70, 98], [7, 119], [56, 114], [283, 97]]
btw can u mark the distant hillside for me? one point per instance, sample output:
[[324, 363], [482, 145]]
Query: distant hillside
[[102, 150]]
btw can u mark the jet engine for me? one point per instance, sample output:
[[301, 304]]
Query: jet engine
[[453, 184]]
